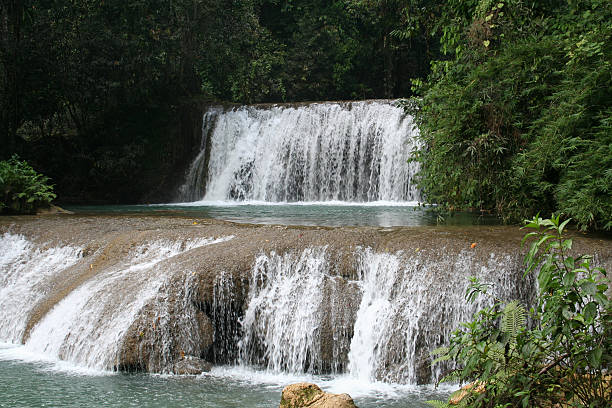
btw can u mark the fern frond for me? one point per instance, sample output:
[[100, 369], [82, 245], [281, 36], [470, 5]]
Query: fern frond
[[440, 359], [440, 350], [496, 353], [437, 404], [453, 376], [513, 319], [442, 353]]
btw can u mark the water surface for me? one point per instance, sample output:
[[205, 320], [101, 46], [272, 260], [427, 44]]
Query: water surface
[[330, 214], [26, 381]]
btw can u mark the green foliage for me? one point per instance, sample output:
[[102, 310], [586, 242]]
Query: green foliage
[[562, 355], [22, 189], [102, 95], [438, 404], [519, 119]]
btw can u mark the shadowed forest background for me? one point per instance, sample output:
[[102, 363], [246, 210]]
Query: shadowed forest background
[[513, 98]]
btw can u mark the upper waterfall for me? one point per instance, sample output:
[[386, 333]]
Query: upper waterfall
[[332, 151]]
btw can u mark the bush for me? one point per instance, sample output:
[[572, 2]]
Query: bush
[[519, 119], [22, 189], [557, 354]]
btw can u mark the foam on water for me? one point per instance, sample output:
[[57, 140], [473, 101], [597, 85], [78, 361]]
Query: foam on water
[[46, 362], [331, 203], [336, 384]]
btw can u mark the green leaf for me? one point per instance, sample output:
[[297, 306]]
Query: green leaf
[[437, 403], [544, 279], [513, 319], [590, 312], [567, 314], [589, 287], [602, 299], [595, 357], [562, 226], [569, 278]]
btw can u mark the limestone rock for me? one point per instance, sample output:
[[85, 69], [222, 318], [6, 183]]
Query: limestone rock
[[191, 365], [303, 395]]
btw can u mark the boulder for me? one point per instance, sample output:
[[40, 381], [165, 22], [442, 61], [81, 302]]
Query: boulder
[[310, 395], [190, 365]]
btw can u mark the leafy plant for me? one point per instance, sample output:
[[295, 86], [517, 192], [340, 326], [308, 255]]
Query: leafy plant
[[517, 118], [558, 353], [22, 189]]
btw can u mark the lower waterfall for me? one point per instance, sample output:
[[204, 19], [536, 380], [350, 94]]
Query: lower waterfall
[[372, 315], [88, 326], [294, 319], [26, 272]]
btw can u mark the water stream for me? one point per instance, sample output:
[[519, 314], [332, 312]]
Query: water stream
[[366, 328]]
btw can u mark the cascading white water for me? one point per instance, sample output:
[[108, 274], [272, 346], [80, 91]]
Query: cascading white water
[[87, 326], [352, 151], [411, 304], [26, 271], [399, 310], [287, 314], [297, 311]]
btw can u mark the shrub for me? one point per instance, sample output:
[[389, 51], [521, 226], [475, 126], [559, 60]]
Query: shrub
[[557, 353], [519, 119], [22, 189]]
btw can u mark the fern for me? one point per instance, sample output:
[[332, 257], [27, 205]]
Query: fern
[[453, 376], [513, 319], [438, 404], [442, 353]]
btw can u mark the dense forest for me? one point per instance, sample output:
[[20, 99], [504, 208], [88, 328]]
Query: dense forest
[[513, 97], [102, 95]]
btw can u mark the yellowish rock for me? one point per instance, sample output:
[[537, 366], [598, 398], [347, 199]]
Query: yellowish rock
[[309, 395]]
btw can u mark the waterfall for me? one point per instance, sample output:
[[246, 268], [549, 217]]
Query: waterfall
[[352, 151], [88, 326], [411, 304], [370, 314], [380, 326], [290, 320], [26, 273]]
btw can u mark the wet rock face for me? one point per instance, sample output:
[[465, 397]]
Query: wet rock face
[[302, 395], [156, 344], [190, 365]]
